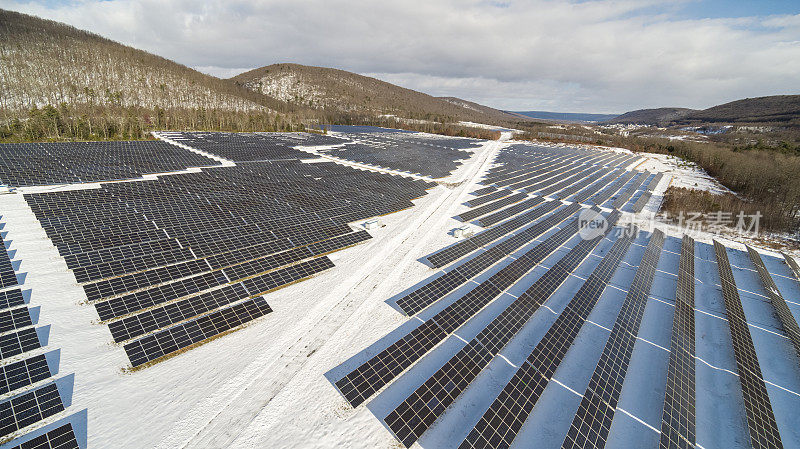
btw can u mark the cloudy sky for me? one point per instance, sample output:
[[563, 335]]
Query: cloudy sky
[[577, 56]]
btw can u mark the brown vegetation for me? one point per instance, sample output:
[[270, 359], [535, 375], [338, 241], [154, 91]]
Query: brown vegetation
[[765, 175], [775, 109], [46, 62], [61, 83], [103, 123], [682, 202], [334, 90]]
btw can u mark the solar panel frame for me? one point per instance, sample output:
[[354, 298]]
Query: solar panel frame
[[763, 429], [409, 420], [164, 343], [29, 408], [500, 424], [678, 419], [62, 437], [592, 421]]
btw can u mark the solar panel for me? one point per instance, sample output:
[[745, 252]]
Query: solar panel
[[359, 387], [501, 215], [174, 339], [11, 298], [475, 202], [285, 276], [493, 206], [14, 319], [7, 276], [429, 293], [569, 181], [160, 317], [484, 191], [61, 437], [626, 194], [574, 188], [422, 407], [16, 343], [761, 423], [603, 196], [432, 157], [29, 408], [592, 421], [499, 425], [454, 252], [678, 417], [784, 314], [23, 373], [123, 305], [28, 164], [593, 189]]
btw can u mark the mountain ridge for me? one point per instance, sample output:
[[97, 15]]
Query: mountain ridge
[[342, 91]]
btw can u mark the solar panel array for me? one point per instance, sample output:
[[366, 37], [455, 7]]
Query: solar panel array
[[678, 420], [431, 292], [30, 394], [526, 172], [517, 208], [500, 424], [434, 157], [362, 382], [761, 423], [776, 298], [244, 147], [172, 262], [592, 421], [424, 406], [29, 164]]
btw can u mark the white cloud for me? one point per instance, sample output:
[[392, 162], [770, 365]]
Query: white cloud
[[221, 72], [596, 56]]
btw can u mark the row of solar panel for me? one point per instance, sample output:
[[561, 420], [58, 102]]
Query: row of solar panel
[[27, 164], [24, 371], [503, 420], [423, 407], [171, 270], [361, 383], [244, 147]]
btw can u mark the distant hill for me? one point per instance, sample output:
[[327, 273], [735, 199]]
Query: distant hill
[[46, 62], [339, 90], [776, 109], [772, 110], [654, 117], [566, 116]]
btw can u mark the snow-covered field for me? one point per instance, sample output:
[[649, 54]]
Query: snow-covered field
[[270, 384]]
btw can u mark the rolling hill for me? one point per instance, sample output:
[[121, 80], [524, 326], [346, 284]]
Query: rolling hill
[[342, 91], [655, 117], [772, 110], [775, 109], [46, 62], [566, 116]]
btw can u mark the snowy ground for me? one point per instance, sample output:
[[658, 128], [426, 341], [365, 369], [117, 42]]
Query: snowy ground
[[212, 394], [270, 383]]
